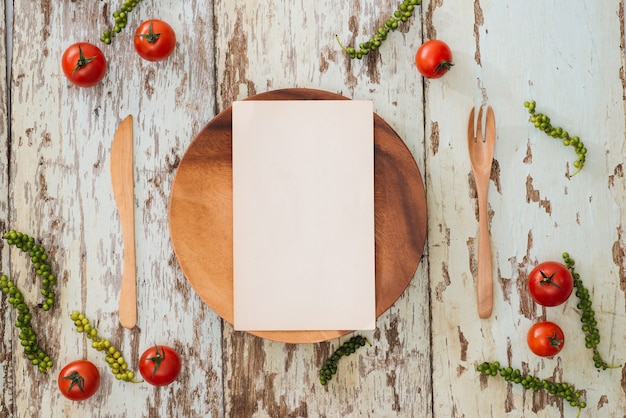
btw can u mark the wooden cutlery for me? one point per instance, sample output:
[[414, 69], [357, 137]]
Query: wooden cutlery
[[481, 156], [123, 191]]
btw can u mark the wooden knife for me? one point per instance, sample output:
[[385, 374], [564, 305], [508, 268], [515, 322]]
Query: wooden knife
[[123, 191]]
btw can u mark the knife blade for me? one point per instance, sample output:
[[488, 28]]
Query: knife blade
[[123, 192]]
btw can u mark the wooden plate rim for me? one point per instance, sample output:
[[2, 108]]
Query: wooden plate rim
[[379, 126]]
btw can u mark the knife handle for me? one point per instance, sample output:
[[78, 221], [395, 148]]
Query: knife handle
[[123, 191], [128, 291]]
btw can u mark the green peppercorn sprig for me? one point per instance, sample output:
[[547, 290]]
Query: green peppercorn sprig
[[113, 357], [41, 263], [329, 368], [542, 122], [563, 390], [588, 316], [28, 338], [402, 14], [120, 17]]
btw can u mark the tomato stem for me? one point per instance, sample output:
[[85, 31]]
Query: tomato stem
[[82, 61], [76, 380], [151, 37], [547, 280], [554, 340], [443, 66], [158, 359]]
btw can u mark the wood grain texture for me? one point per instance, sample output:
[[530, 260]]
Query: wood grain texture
[[55, 179], [7, 372], [61, 193], [273, 45], [123, 187], [197, 212], [481, 138], [536, 211]]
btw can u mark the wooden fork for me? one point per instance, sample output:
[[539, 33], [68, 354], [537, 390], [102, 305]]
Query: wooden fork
[[481, 156]]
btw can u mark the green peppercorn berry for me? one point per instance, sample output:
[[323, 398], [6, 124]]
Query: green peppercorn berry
[[400, 15], [562, 390], [113, 356], [587, 316], [542, 122], [40, 261], [27, 336], [329, 368], [120, 18]]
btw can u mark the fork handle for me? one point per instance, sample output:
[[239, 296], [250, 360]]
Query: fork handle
[[484, 286]]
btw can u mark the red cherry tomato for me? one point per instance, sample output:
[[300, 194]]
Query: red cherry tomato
[[84, 64], [159, 365], [154, 40], [79, 380], [433, 59], [550, 283], [545, 339]]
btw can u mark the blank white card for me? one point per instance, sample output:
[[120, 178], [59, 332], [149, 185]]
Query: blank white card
[[303, 215]]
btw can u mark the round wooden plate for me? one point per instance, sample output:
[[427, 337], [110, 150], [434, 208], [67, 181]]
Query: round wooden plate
[[201, 219]]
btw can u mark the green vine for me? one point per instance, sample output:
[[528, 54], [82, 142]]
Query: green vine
[[41, 265], [401, 15], [562, 390], [587, 317], [120, 18]]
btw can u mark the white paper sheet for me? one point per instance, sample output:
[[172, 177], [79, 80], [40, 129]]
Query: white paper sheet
[[303, 215]]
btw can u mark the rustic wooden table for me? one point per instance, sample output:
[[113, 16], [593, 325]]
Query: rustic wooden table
[[55, 179]]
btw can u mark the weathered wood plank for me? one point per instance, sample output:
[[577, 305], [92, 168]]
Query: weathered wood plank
[[571, 62], [54, 171], [6, 327], [61, 192], [281, 44]]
